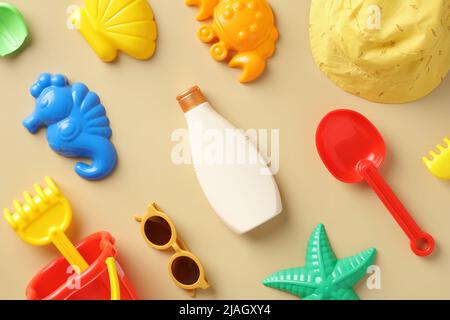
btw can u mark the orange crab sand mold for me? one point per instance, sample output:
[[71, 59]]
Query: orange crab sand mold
[[244, 27]]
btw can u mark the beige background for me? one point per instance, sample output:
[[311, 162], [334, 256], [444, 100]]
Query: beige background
[[292, 95]]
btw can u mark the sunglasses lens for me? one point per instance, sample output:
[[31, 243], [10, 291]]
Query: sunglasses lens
[[158, 231], [185, 270]]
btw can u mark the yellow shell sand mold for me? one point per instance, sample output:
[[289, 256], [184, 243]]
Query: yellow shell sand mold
[[439, 163], [117, 25], [382, 50]]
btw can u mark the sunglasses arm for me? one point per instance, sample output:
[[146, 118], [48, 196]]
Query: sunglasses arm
[[192, 293]]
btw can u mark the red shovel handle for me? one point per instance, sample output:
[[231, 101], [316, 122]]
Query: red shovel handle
[[422, 244]]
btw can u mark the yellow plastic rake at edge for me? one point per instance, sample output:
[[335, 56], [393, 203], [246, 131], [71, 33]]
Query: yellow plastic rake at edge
[[43, 219], [439, 165]]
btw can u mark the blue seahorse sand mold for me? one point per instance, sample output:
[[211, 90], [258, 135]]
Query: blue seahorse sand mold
[[77, 125]]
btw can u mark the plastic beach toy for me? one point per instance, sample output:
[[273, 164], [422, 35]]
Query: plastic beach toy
[[77, 124], [382, 50], [244, 27], [439, 164], [185, 268], [13, 30], [353, 150], [117, 25], [42, 220], [104, 280], [323, 277]]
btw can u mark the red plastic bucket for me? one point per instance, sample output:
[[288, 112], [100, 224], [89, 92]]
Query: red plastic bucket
[[58, 281]]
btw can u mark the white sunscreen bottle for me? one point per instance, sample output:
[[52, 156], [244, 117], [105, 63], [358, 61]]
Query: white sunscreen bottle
[[232, 173]]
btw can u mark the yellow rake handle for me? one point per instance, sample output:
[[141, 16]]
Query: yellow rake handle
[[67, 249]]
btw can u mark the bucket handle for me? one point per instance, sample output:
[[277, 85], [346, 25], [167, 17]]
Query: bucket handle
[[113, 278]]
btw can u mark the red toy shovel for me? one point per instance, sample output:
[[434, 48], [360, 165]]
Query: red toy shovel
[[353, 150]]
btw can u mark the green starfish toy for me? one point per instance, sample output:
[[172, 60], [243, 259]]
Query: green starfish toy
[[324, 277]]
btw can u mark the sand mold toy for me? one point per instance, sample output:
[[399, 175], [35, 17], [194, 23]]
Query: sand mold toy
[[117, 25], [438, 162], [324, 277], [77, 125], [13, 30], [245, 28]]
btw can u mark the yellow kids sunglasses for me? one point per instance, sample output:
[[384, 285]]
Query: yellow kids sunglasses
[[185, 268]]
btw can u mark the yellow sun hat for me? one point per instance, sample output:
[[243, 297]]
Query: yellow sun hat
[[387, 51]]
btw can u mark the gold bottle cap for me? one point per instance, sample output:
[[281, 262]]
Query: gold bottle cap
[[191, 99]]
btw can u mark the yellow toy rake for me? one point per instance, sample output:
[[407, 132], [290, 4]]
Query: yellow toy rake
[[439, 164], [42, 220]]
